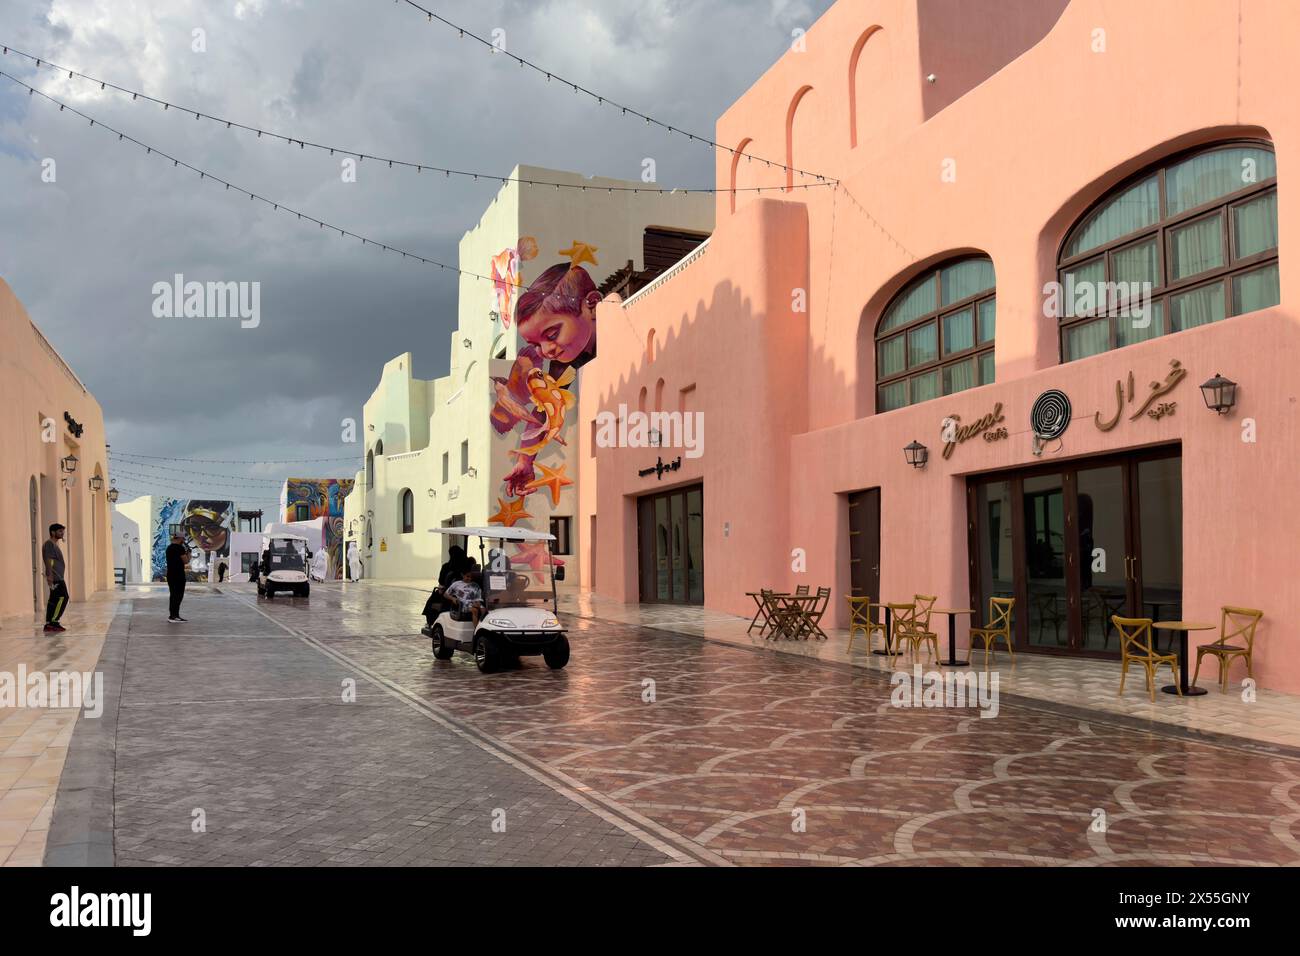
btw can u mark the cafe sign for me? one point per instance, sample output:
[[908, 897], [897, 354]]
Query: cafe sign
[[1125, 394], [953, 432]]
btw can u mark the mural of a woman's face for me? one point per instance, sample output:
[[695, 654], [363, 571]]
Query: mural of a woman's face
[[558, 335]]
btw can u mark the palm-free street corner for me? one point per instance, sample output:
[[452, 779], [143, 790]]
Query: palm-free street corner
[[324, 732], [661, 460]]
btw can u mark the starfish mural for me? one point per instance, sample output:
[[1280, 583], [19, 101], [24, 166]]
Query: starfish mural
[[552, 478], [580, 252], [533, 556], [509, 512]]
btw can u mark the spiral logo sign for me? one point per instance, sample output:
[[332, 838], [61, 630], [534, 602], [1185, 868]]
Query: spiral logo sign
[[1050, 416]]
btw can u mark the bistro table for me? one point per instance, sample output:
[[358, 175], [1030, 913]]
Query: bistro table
[[1182, 627], [793, 608], [952, 613], [889, 632]]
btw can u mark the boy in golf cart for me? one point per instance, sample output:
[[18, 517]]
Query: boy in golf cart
[[467, 594]]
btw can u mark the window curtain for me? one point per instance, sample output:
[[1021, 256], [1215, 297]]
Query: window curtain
[[1195, 248], [964, 279], [1209, 176], [1198, 307], [1256, 225], [1256, 290], [959, 377], [1128, 212], [1090, 339], [913, 304]]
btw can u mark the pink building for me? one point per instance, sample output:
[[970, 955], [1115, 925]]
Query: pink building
[[1039, 203]]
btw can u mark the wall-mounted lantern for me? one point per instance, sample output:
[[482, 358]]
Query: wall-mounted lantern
[[472, 472], [432, 493], [1220, 394], [96, 483], [916, 454], [68, 465], [113, 493]]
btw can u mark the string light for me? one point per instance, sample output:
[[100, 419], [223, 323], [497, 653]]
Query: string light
[[600, 100], [233, 461], [392, 162]]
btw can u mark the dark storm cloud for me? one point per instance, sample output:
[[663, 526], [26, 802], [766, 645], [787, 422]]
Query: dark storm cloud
[[83, 253]]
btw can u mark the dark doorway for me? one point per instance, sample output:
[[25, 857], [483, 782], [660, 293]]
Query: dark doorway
[[1077, 543], [864, 544], [670, 546]]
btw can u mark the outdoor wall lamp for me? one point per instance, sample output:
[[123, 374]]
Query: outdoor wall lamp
[[494, 316], [96, 483], [1220, 394], [68, 465], [468, 344], [432, 493], [113, 493], [916, 454], [472, 472]]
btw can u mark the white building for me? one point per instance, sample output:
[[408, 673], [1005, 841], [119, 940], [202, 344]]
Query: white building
[[434, 456]]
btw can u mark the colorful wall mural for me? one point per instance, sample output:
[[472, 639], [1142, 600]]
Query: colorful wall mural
[[323, 498], [204, 524], [507, 274], [533, 405]]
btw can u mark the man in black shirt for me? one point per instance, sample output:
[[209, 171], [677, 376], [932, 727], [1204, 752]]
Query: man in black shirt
[[52, 558], [178, 556]]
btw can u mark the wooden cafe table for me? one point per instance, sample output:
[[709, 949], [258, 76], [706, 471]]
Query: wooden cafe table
[[1182, 627], [952, 613]]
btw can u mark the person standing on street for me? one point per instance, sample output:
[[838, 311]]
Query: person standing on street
[[178, 558], [52, 558]]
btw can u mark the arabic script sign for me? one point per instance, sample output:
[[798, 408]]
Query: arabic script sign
[[953, 432], [1125, 396]]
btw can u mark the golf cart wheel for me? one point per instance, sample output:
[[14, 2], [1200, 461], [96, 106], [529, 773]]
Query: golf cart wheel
[[486, 654], [306, 590], [557, 655], [442, 650], [270, 593]]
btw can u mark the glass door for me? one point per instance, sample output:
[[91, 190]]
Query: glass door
[[1077, 545], [671, 546]]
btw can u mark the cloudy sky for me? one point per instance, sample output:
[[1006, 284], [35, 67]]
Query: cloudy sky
[[83, 252]]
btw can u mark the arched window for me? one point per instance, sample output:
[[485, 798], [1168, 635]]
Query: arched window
[[370, 534], [1185, 244], [408, 511], [370, 469], [379, 448], [936, 336]]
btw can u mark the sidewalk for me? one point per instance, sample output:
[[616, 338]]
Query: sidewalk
[[34, 741], [1273, 718]]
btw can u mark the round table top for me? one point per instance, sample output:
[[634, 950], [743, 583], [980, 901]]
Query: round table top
[[951, 610], [1183, 626]]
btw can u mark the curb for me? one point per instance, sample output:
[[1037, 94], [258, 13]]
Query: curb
[[81, 828]]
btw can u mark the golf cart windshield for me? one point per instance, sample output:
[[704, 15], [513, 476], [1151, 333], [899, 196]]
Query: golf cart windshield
[[517, 574], [288, 554], [517, 568]]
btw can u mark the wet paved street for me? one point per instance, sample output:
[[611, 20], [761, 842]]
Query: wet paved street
[[649, 748]]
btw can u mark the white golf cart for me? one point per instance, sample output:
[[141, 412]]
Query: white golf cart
[[518, 616], [285, 566]]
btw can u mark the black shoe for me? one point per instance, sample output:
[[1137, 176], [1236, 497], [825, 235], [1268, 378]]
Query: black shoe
[[58, 627], [175, 620], [51, 629]]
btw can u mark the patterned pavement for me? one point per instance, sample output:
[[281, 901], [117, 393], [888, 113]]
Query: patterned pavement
[[753, 758]]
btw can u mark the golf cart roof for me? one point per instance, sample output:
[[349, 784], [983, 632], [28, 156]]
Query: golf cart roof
[[507, 534]]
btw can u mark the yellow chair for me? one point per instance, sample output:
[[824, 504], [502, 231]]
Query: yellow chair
[[1136, 646], [908, 629], [924, 606], [1243, 621], [860, 620], [999, 626]]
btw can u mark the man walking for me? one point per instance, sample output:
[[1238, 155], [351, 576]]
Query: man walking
[[178, 558], [52, 558]]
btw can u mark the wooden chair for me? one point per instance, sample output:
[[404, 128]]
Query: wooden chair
[[1243, 621], [1049, 612], [773, 613], [801, 589], [812, 615], [860, 620], [1136, 646], [999, 626], [924, 607], [909, 630]]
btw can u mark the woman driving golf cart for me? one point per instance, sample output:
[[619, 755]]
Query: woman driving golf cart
[[509, 613]]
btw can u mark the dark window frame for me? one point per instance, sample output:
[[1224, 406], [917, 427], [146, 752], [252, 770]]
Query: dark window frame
[[1161, 230], [562, 528], [936, 316], [407, 511]]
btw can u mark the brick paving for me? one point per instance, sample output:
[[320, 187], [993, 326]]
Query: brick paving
[[741, 757], [232, 716]]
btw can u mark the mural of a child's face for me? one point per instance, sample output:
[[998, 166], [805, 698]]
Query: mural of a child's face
[[558, 335]]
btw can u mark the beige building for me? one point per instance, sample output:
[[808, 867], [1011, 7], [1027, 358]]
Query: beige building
[[53, 468], [433, 455]]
